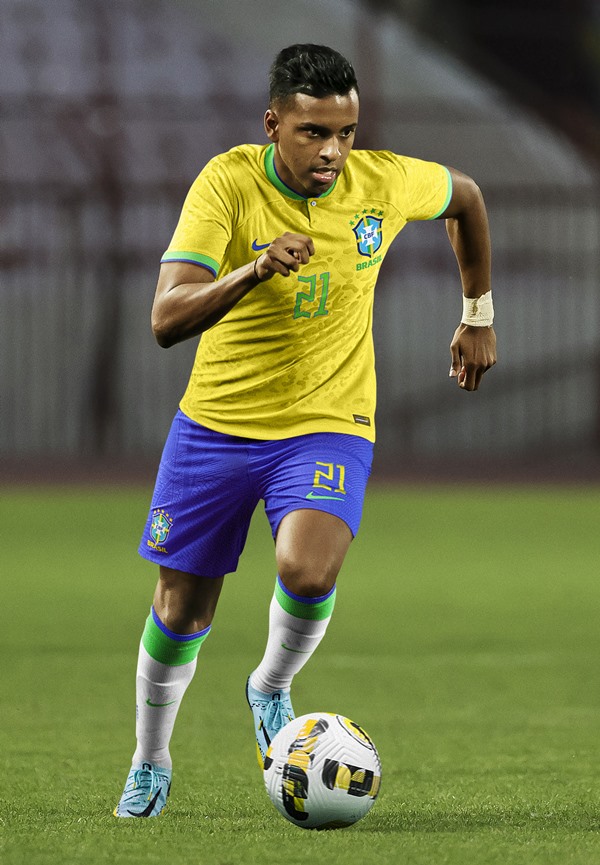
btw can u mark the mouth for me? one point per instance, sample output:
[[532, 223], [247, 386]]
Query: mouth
[[324, 175]]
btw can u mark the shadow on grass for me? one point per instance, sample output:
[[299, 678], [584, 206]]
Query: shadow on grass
[[575, 818]]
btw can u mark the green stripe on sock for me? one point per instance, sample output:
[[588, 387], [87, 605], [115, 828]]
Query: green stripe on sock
[[316, 612], [166, 650]]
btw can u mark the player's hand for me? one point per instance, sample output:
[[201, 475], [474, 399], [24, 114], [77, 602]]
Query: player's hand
[[284, 255], [473, 351]]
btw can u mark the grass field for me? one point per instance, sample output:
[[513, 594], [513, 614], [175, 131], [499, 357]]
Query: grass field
[[465, 639]]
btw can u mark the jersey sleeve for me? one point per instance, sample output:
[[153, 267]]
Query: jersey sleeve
[[427, 189], [205, 225]]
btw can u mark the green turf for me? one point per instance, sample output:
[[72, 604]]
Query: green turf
[[465, 639]]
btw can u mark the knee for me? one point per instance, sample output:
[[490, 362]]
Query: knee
[[310, 550], [184, 602], [305, 578]]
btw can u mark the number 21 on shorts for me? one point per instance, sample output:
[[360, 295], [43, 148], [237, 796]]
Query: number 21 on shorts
[[328, 474]]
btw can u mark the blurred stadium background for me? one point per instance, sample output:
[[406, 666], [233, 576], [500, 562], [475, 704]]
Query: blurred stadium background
[[108, 110], [484, 695]]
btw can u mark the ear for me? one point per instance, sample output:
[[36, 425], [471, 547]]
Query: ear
[[271, 123]]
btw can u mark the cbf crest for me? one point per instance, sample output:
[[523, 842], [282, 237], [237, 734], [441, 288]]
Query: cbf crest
[[160, 527], [369, 235]]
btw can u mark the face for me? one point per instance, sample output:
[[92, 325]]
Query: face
[[312, 138]]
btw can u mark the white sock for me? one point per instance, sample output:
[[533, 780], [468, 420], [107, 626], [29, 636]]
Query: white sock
[[159, 692], [292, 640]]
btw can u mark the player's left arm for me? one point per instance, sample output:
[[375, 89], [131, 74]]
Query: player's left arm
[[473, 347]]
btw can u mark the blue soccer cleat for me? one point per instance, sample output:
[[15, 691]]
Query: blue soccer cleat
[[145, 793], [271, 713]]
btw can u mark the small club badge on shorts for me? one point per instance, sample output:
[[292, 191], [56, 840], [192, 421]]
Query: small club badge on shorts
[[160, 527]]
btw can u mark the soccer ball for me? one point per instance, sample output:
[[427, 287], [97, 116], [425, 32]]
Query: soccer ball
[[322, 771]]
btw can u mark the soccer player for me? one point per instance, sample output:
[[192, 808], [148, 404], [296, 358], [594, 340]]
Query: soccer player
[[274, 261]]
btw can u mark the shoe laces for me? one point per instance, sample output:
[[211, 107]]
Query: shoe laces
[[143, 778], [276, 715]]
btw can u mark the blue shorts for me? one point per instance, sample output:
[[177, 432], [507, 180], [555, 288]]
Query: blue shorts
[[209, 484]]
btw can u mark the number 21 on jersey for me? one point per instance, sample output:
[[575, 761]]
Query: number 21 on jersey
[[312, 303]]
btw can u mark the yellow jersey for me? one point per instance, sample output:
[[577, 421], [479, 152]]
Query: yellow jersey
[[295, 355]]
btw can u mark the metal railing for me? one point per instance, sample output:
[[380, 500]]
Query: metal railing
[[81, 374]]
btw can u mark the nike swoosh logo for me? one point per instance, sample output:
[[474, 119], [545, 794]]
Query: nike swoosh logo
[[256, 246], [147, 811], [313, 495], [159, 705], [261, 727], [297, 651]]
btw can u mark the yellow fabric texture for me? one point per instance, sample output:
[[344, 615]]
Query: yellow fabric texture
[[295, 355]]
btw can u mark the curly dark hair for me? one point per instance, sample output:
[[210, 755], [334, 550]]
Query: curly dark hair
[[315, 70]]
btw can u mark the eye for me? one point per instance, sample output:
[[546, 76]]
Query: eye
[[311, 131]]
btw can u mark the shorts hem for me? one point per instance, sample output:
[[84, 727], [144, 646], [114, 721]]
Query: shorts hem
[[310, 507], [175, 566]]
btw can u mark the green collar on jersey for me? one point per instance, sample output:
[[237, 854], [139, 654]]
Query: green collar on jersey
[[278, 183]]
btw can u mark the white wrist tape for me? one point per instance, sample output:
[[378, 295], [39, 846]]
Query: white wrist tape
[[478, 311]]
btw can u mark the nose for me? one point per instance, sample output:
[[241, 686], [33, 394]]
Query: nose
[[330, 149]]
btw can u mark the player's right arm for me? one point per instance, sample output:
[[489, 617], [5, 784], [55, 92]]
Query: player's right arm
[[189, 299]]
